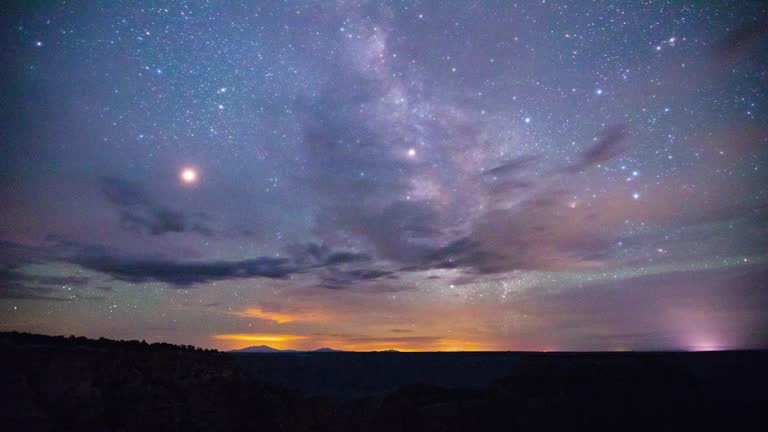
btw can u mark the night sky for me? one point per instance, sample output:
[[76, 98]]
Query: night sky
[[549, 175]]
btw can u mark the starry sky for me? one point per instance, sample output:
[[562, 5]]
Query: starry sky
[[539, 175]]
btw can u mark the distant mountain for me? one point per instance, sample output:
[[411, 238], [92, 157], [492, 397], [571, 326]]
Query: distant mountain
[[269, 349], [260, 349]]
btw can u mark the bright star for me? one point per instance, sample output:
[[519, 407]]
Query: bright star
[[412, 152], [188, 175]]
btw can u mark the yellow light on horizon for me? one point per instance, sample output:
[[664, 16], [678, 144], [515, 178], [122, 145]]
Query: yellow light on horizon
[[241, 340], [249, 337]]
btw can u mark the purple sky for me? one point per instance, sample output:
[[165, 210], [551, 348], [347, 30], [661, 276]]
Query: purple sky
[[375, 175]]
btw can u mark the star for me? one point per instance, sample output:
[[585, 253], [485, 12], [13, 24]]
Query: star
[[188, 175]]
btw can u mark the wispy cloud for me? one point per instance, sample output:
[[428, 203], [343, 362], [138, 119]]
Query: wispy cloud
[[281, 316]]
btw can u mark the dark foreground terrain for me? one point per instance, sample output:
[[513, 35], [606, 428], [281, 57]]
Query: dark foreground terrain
[[78, 384]]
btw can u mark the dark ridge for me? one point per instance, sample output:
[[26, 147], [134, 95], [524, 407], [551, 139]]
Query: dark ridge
[[55, 383], [73, 383]]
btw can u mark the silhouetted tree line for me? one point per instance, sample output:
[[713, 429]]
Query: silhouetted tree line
[[22, 338], [79, 384], [73, 383]]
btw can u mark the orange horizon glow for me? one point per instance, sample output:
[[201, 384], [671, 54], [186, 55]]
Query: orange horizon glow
[[281, 317], [276, 340], [298, 342]]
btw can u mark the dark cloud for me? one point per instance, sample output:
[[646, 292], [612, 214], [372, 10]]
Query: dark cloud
[[12, 275], [20, 285], [402, 231], [346, 258], [541, 233], [138, 211], [333, 278], [511, 166], [123, 193], [20, 291], [740, 41], [320, 255], [335, 268], [608, 146], [59, 247], [183, 274], [13, 254], [507, 187], [511, 179], [538, 232]]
